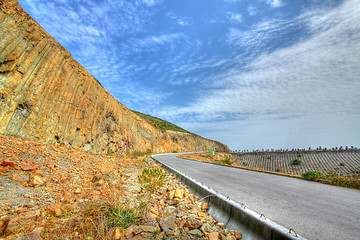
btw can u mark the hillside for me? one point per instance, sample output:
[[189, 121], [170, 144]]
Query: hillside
[[160, 124], [46, 96]]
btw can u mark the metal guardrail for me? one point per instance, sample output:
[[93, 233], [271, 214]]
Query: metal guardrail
[[235, 216]]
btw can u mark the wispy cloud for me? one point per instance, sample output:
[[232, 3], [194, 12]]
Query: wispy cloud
[[159, 40], [317, 75], [234, 17], [183, 21], [149, 2], [252, 10], [262, 33], [275, 3]]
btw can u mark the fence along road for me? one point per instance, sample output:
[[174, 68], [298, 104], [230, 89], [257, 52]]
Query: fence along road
[[314, 210]]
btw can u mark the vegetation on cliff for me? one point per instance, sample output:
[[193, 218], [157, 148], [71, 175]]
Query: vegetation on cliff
[[161, 124]]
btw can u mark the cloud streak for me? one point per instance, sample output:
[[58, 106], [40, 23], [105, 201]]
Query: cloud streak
[[315, 76]]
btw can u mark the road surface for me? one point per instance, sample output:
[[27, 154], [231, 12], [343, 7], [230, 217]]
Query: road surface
[[314, 210]]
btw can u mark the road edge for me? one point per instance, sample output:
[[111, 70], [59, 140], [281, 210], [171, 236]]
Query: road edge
[[235, 216]]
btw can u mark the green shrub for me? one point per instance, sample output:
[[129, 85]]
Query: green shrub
[[109, 152], [296, 161], [161, 124], [342, 164], [333, 178], [312, 175], [121, 217], [226, 160], [136, 154], [152, 179]]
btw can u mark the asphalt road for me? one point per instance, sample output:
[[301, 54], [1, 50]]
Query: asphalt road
[[314, 210]]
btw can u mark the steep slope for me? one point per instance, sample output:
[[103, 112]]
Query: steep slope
[[45, 95]]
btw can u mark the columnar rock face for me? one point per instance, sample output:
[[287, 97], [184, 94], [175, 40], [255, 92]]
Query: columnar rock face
[[45, 95]]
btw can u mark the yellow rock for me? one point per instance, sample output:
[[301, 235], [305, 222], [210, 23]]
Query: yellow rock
[[179, 193], [78, 191], [118, 233], [36, 181]]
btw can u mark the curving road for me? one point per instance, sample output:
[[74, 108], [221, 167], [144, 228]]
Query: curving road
[[314, 210]]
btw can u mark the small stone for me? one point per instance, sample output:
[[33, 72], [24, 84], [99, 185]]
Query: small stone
[[17, 178], [34, 235], [160, 236], [222, 225], [196, 232], [5, 163], [94, 192], [180, 222], [144, 235], [230, 237], [193, 223], [179, 193], [204, 206], [169, 210], [101, 182], [132, 231], [150, 229], [118, 233], [149, 217], [39, 172], [206, 228], [29, 166], [168, 224], [78, 191], [171, 194], [214, 236], [36, 180], [236, 234], [201, 214], [54, 210], [162, 204]]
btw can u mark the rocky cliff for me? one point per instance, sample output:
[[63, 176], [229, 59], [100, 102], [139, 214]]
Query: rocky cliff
[[45, 95]]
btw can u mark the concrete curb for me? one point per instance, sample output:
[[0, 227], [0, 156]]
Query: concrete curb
[[236, 216]]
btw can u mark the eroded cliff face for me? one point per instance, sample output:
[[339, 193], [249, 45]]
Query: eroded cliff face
[[45, 95]]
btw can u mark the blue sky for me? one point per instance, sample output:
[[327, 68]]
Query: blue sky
[[252, 74]]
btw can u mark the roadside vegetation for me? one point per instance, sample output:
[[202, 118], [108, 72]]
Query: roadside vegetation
[[152, 179], [332, 178], [226, 160], [296, 161], [137, 154], [160, 124], [219, 158]]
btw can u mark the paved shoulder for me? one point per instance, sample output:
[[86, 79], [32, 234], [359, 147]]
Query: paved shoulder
[[316, 211]]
